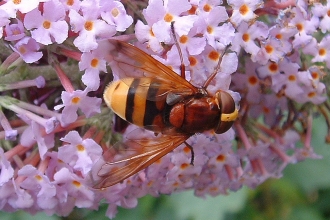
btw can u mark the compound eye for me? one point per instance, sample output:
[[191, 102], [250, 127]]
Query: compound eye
[[228, 110]]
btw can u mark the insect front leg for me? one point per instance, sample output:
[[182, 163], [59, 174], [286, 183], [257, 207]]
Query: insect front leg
[[182, 67]]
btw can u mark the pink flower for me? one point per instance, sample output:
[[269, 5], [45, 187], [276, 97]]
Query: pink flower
[[214, 33], [243, 10], [114, 13], [249, 81], [248, 35], [168, 12], [92, 63], [4, 20], [78, 99], [28, 48], [71, 191], [39, 185], [49, 26], [271, 49], [304, 26], [89, 28], [321, 11], [79, 154], [73, 4], [323, 51], [24, 6], [35, 134], [16, 197], [7, 171], [144, 34], [15, 31]]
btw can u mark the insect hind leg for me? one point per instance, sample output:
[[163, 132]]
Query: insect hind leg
[[192, 152], [182, 67]]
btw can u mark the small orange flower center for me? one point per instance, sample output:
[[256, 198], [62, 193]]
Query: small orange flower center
[[17, 2], [279, 36], [292, 78], [22, 50], [38, 177], [209, 29], [88, 25], [176, 184], [151, 33], [221, 158], [168, 17], [245, 37], [80, 147], [46, 24], [192, 10], [70, 2], [115, 12], [76, 183], [192, 61], [269, 49], [253, 80], [265, 110], [183, 39], [300, 27], [311, 94], [328, 13], [75, 100], [207, 8], [94, 62], [273, 67], [244, 9], [16, 32], [214, 55], [322, 52], [315, 75], [186, 149], [214, 189], [184, 166]]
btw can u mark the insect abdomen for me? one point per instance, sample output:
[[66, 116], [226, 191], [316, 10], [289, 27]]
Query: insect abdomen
[[128, 98]]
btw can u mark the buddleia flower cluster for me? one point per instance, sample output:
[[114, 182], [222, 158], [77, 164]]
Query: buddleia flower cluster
[[54, 68]]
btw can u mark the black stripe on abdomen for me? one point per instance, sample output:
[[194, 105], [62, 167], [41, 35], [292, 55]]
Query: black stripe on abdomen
[[151, 109], [130, 100]]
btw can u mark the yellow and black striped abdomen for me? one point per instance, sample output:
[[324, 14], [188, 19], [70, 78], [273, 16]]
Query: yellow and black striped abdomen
[[130, 98]]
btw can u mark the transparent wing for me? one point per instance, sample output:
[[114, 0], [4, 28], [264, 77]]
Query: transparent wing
[[128, 61], [162, 90], [142, 153]]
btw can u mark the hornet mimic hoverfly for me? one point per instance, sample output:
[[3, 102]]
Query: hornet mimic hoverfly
[[154, 97]]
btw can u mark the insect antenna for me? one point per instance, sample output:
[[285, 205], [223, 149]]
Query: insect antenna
[[216, 69], [182, 67]]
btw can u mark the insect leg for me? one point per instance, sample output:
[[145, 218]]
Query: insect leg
[[182, 67], [216, 69], [192, 153]]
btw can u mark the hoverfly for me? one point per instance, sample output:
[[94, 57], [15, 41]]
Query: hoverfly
[[154, 97]]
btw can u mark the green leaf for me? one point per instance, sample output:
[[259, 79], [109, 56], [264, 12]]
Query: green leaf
[[188, 206]]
